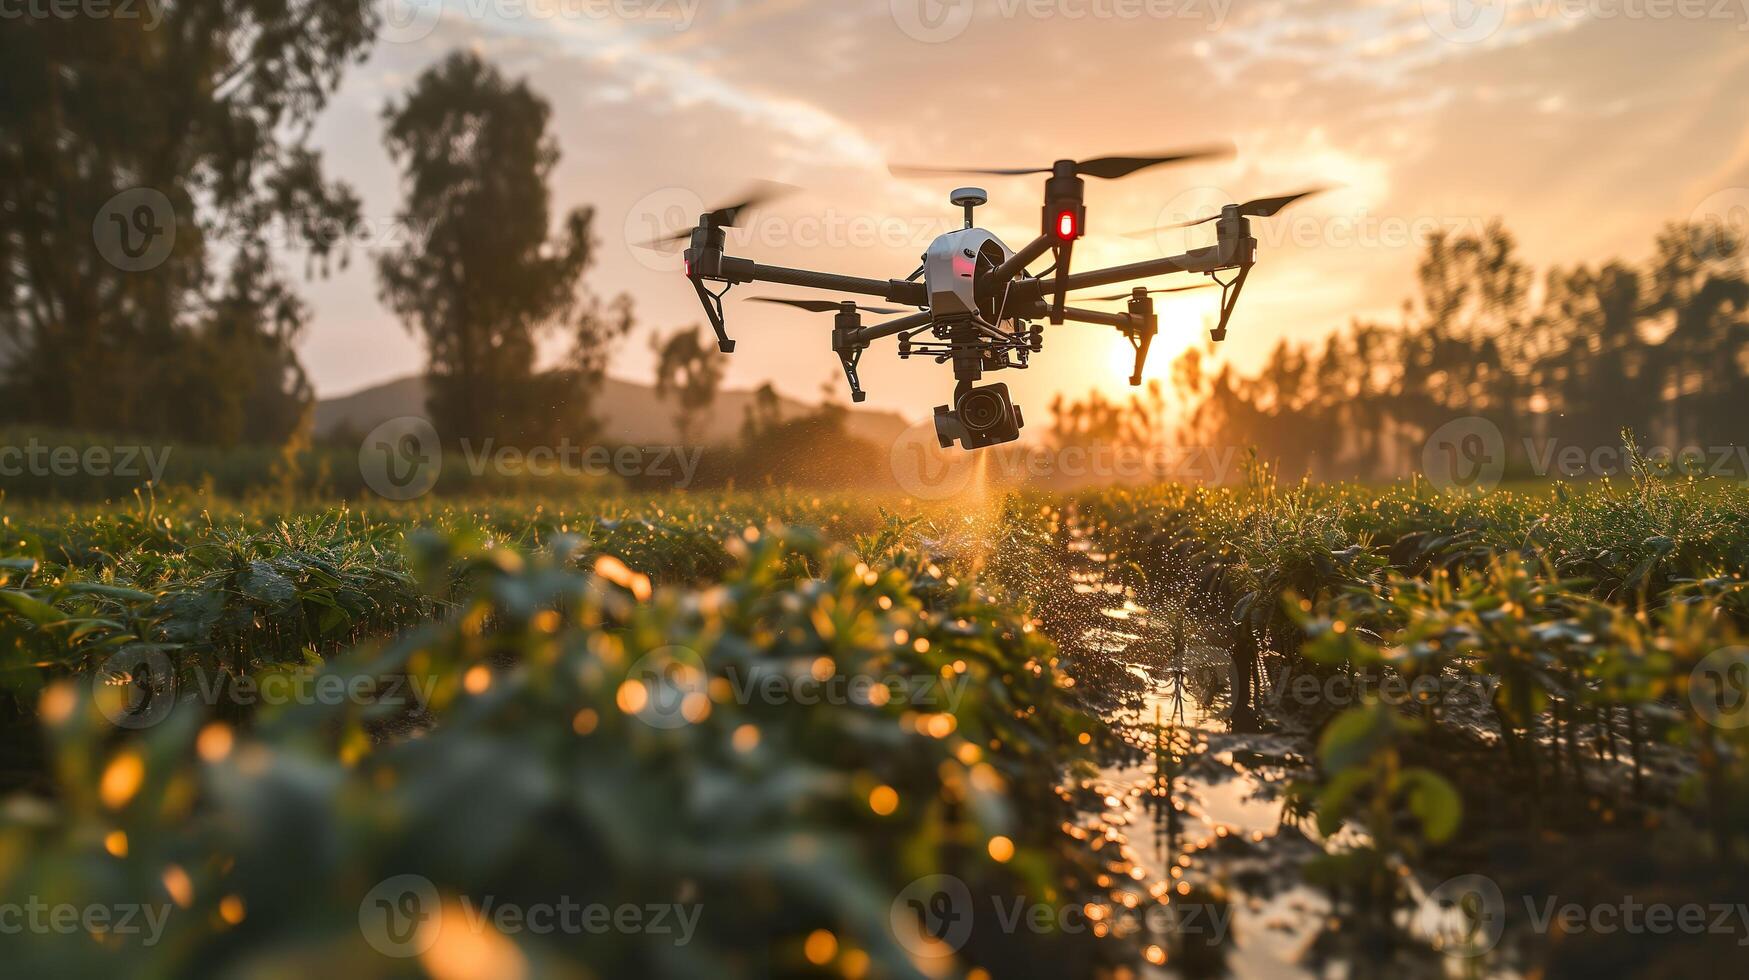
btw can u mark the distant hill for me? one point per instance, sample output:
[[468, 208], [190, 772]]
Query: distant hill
[[631, 412]]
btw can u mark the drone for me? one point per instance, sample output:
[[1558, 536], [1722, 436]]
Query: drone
[[973, 301]]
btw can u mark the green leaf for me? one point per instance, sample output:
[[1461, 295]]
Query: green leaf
[[117, 592], [1353, 737], [33, 609], [1434, 801]]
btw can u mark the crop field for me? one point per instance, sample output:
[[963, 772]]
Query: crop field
[[1147, 731]]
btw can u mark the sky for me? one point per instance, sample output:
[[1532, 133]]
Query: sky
[[1585, 125]]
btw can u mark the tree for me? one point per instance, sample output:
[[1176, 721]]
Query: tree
[[485, 282], [763, 415], [1662, 349], [129, 146], [687, 374]]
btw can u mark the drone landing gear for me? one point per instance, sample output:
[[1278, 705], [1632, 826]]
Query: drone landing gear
[[1141, 335], [1229, 302], [846, 325], [713, 309], [849, 356]]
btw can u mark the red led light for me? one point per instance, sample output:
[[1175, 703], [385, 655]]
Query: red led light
[[1066, 226], [687, 265]]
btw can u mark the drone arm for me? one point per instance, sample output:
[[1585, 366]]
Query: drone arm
[[890, 327], [892, 290], [702, 264], [1122, 321], [1018, 262], [1210, 259]]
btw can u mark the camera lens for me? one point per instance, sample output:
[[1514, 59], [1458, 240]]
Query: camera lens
[[982, 409]]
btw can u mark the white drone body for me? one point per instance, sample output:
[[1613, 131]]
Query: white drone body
[[977, 307]]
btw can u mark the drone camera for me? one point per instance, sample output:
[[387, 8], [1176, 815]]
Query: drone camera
[[982, 416]]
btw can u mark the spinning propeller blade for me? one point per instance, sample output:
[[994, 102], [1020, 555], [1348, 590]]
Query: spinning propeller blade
[[822, 305], [1263, 207], [1108, 168], [1169, 289], [729, 215]]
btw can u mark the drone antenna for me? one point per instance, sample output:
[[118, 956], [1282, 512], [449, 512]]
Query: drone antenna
[[969, 198]]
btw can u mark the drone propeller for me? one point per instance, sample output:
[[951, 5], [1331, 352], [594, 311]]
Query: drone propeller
[[822, 305], [1108, 168], [1168, 289], [1263, 207], [728, 215]]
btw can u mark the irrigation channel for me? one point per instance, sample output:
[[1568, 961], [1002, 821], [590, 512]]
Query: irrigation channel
[[1197, 811]]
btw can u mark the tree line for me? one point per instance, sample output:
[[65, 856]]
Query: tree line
[[1565, 359]]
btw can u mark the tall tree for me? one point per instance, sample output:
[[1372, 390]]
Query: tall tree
[[688, 374], [131, 144], [489, 279]]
